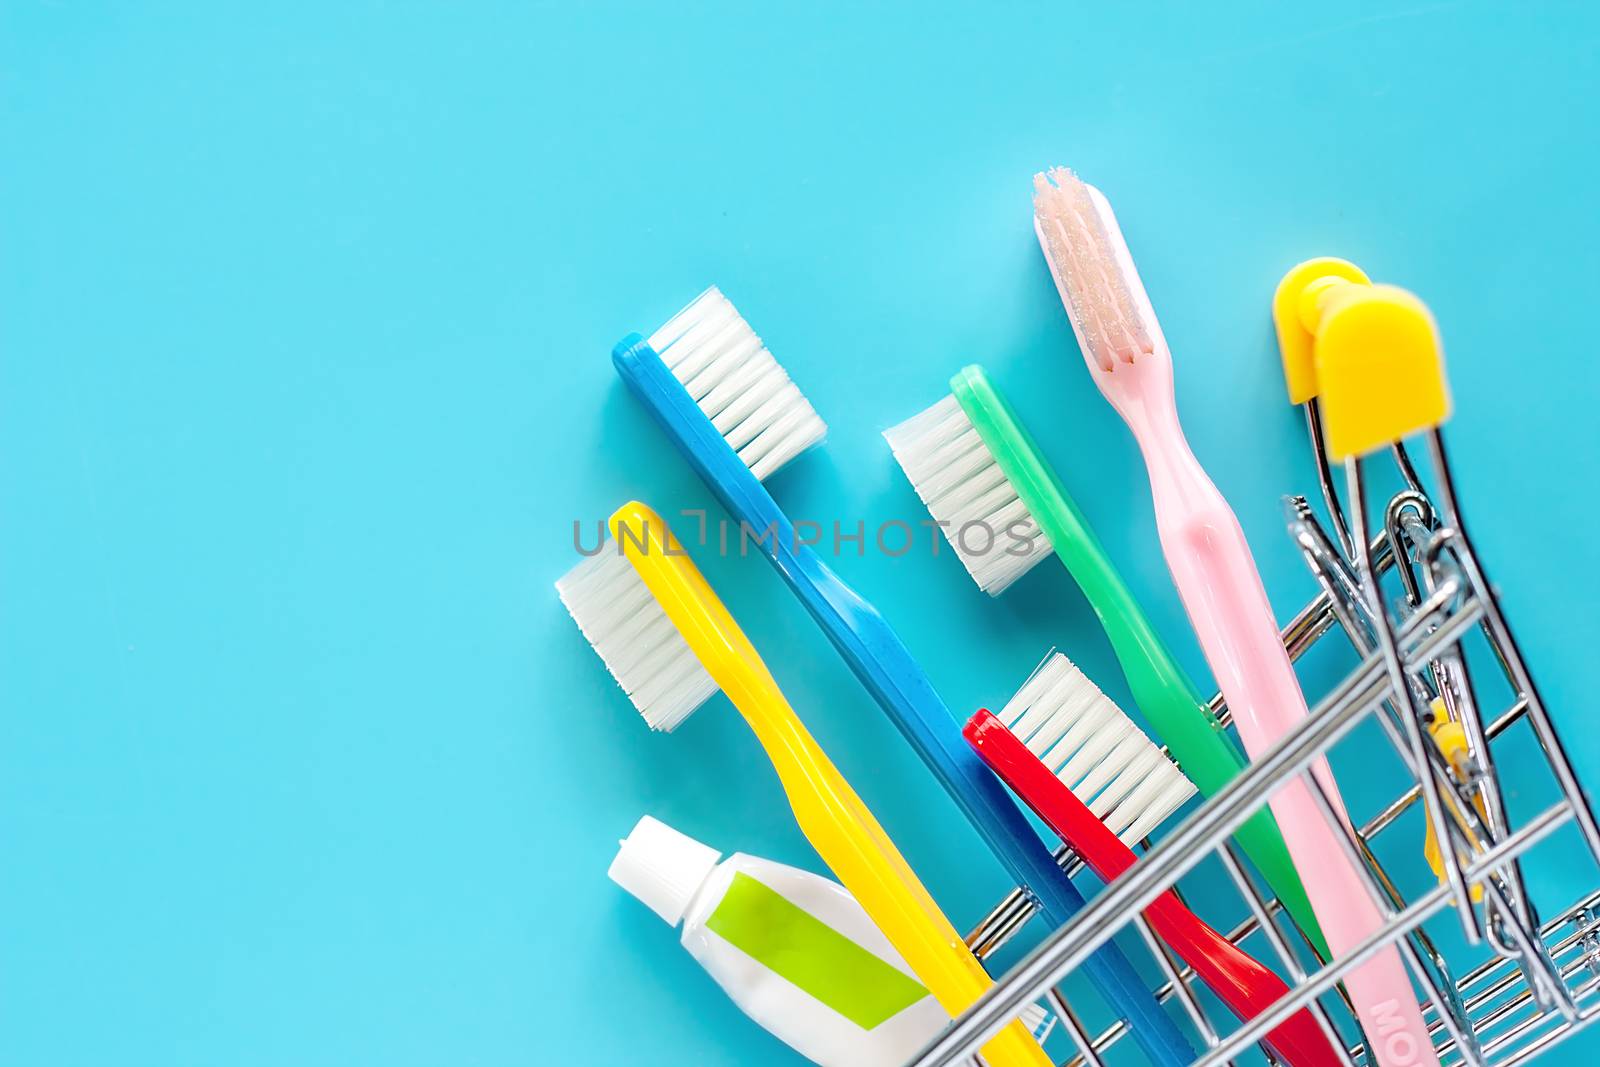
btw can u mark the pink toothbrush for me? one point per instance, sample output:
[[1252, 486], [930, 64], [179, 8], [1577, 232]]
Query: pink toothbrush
[[1217, 580]]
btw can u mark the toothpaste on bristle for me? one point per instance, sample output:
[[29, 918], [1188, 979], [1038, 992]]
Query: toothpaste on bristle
[[1089, 272]]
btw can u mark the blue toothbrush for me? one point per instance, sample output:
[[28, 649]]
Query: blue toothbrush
[[736, 417]]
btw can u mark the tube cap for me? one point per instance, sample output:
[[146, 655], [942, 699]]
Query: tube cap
[[663, 867]]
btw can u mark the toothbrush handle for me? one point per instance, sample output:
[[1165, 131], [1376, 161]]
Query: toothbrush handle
[[827, 809], [1160, 687], [855, 847], [1166, 696], [889, 672], [1242, 983], [1221, 589], [885, 666]]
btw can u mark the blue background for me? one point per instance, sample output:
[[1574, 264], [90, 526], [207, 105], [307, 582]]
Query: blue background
[[305, 312]]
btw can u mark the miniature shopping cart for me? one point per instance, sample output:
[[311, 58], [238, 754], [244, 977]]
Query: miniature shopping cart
[[1465, 771]]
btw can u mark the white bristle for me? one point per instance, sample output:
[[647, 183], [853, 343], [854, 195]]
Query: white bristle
[[956, 476], [1091, 269], [743, 391], [1093, 747], [1038, 1021], [640, 646]]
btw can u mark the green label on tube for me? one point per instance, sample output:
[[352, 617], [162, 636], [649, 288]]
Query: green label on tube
[[809, 953]]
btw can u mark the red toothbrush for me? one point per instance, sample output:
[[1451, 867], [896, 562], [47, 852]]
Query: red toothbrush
[[1066, 738]]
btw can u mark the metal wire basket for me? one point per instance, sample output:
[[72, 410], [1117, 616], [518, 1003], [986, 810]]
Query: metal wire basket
[[1500, 983]]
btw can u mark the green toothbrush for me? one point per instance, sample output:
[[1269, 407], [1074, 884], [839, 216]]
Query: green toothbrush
[[983, 480]]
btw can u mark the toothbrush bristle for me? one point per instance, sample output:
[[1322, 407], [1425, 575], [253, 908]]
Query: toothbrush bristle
[[1096, 750], [968, 495], [745, 393], [1037, 1020], [1084, 258], [638, 643]]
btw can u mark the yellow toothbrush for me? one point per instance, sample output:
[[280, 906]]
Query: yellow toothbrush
[[670, 644]]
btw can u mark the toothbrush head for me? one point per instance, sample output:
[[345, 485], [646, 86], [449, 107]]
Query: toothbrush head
[[981, 511], [1093, 271], [741, 388], [1096, 750], [641, 648], [654, 620]]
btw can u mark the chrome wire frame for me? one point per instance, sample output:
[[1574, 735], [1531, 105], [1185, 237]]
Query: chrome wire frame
[[1541, 982]]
